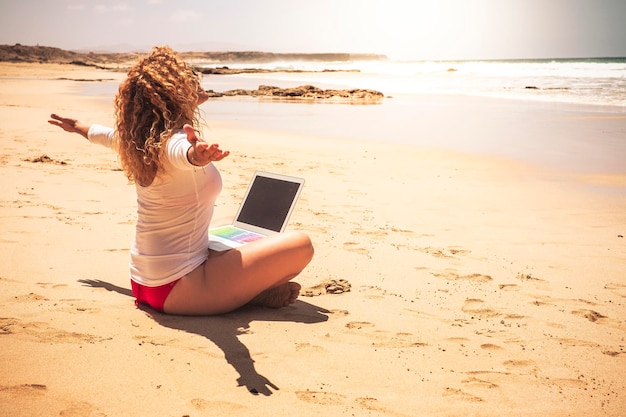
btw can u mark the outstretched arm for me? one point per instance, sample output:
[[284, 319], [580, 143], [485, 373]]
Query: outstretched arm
[[69, 125], [201, 153]]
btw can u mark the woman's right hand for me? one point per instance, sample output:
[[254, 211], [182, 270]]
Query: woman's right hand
[[201, 153], [69, 125]]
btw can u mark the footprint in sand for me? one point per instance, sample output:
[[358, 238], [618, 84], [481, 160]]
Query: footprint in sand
[[383, 339], [308, 348], [461, 395], [592, 316], [24, 389], [80, 409], [27, 298], [490, 347], [44, 332], [613, 353], [372, 404], [355, 247], [444, 252], [617, 288], [155, 341], [359, 325], [567, 382], [369, 233], [518, 363], [452, 275], [476, 308], [459, 340], [403, 231], [76, 305], [479, 383], [508, 287], [373, 292], [540, 283], [399, 341], [51, 285], [216, 407], [565, 341], [321, 397], [543, 301], [339, 313], [327, 216]]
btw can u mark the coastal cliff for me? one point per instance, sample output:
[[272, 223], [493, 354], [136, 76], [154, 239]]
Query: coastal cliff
[[47, 54]]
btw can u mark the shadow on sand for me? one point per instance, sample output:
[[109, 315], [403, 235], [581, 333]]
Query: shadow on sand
[[223, 331]]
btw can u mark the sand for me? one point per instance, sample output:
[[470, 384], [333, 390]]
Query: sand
[[475, 285]]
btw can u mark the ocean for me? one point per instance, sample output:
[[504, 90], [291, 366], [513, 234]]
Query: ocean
[[594, 81], [568, 113]]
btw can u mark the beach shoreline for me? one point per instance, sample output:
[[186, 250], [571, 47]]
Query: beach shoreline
[[539, 132], [563, 135], [479, 284]]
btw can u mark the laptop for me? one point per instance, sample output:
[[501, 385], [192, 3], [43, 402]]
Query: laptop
[[265, 210]]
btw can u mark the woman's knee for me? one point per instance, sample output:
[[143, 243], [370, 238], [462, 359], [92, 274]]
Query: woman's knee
[[301, 243]]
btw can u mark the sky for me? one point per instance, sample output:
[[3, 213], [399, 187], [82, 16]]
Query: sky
[[400, 29]]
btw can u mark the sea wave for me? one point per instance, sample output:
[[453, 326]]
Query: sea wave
[[597, 81]]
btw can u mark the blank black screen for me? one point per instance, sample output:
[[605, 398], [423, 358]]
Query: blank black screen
[[268, 203]]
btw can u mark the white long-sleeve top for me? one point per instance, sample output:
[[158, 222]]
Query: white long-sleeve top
[[173, 213]]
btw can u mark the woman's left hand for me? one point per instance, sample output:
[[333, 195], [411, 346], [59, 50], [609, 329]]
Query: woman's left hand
[[68, 124], [201, 153]]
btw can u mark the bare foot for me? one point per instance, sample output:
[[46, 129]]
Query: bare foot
[[278, 297]]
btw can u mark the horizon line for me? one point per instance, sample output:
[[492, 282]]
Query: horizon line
[[142, 50]]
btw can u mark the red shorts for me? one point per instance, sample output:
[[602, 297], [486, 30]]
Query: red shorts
[[152, 296]]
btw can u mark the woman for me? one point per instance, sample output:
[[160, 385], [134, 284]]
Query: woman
[[171, 268]]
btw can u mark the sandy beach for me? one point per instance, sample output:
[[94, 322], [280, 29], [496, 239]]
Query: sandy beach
[[479, 285]]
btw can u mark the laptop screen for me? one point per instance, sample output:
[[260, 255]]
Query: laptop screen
[[268, 203]]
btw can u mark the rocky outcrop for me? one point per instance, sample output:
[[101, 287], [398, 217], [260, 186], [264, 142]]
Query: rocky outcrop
[[230, 71], [306, 92]]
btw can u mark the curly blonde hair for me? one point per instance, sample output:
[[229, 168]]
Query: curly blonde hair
[[158, 97]]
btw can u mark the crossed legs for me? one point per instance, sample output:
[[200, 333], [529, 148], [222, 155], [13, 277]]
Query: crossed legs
[[257, 273]]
